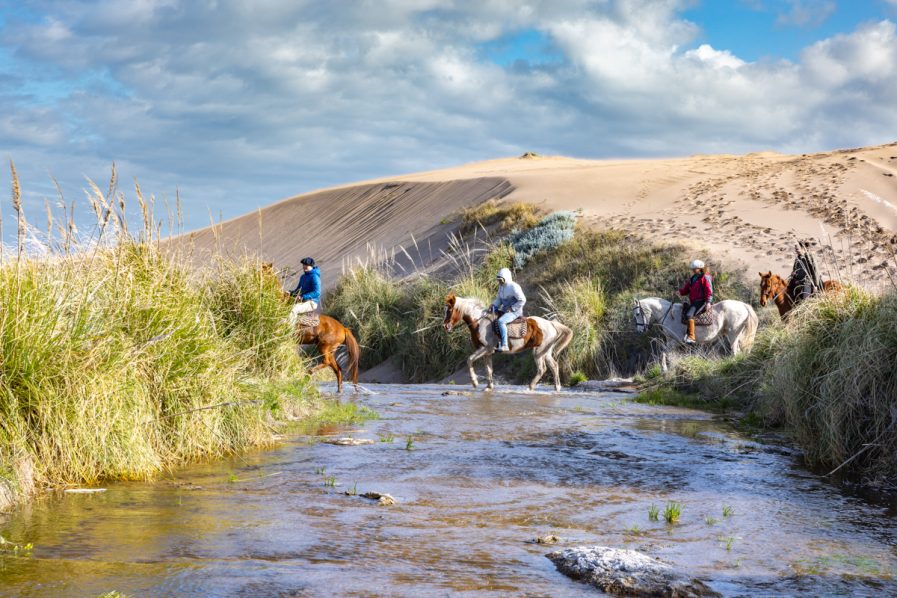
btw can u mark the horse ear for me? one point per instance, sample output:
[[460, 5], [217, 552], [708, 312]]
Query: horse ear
[[761, 274], [768, 274], [450, 299]]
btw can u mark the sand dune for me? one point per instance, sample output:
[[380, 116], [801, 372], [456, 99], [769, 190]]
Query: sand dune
[[748, 209]]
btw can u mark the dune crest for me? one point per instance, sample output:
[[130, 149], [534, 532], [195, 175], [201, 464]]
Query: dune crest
[[748, 209]]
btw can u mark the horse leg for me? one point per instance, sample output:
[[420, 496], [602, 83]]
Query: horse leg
[[540, 370], [471, 360], [330, 361], [336, 370], [663, 361], [553, 364], [487, 360]]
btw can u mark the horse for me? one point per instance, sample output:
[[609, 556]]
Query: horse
[[546, 338], [775, 288], [327, 336], [733, 320]]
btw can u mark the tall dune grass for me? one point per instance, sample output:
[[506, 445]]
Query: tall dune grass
[[826, 376], [118, 360]]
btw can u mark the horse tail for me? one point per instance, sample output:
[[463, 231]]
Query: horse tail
[[354, 355], [565, 335], [749, 330]]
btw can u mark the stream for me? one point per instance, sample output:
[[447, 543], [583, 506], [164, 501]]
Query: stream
[[482, 475]]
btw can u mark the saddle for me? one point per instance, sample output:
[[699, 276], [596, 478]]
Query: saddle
[[309, 320], [516, 328], [705, 318]]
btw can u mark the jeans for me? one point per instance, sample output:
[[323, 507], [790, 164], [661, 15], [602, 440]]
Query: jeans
[[503, 326], [694, 309]]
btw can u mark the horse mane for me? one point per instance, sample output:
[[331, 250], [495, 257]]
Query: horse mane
[[469, 306]]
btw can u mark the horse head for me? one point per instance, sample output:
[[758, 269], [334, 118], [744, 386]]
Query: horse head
[[451, 316], [771, 286], [640, 317]]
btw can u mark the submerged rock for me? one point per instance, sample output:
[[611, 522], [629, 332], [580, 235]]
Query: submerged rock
[[626, 573], [348, 441], [384, 499], [549, 539], [609, 385]]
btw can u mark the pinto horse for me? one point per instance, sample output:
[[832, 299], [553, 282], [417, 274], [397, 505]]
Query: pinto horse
[[546, 338], [775, 288], [327, 336]]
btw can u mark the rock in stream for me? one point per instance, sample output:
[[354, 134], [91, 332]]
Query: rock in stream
[[625, 572]]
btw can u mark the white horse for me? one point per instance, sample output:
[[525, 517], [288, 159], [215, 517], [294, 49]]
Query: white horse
[[546, 338], [733, 320]]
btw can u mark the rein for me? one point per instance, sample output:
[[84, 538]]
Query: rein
[[669, 309]]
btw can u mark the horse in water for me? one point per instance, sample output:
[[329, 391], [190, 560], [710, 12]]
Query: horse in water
[[775, 288], [546, 338], [733, 320], [327, 334]]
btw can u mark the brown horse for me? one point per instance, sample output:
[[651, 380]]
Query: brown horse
[[775, 288], [327, 336]]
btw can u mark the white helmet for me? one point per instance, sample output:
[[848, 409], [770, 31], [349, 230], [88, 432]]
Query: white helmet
[[697, 264]]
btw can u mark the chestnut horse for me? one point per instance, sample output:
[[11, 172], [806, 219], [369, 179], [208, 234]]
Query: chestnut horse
[[327, 336], [775, 288], [546, 338]]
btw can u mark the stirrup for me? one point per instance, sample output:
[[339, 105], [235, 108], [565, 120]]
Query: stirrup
[[689, 341]]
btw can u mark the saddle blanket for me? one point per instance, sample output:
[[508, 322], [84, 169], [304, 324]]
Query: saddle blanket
[[309, 320], [705, 318], [516, 328]]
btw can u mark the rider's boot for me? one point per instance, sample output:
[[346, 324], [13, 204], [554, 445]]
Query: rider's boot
[[690, 337], [503, 345]]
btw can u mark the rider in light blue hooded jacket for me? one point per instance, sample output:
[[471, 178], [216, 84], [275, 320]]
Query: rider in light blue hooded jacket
[[509, 302]]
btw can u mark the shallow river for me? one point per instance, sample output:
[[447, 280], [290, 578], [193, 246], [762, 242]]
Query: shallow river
[[484, 475]]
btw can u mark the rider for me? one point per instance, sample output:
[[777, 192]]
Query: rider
[[804, 280], [509, 303], [308, 289], [699, 288]]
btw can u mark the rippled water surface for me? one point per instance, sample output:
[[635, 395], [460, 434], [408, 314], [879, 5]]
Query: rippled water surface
[[484, 474]]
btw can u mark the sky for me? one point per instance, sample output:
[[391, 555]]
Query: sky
[[235, 104]]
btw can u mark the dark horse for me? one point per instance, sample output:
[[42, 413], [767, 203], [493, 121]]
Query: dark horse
[[327, 336], [775, 288]]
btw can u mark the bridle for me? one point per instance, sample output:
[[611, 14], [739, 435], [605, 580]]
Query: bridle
[[775, 298], [641, 320], [447, 313]]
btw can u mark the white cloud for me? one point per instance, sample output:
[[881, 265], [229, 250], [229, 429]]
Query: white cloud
[[242, 103]]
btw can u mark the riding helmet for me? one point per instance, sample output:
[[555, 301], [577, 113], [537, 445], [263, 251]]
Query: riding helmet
[[697, 264], [307, 261]]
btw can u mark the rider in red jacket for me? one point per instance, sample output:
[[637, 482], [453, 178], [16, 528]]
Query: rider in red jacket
[[699, 288]]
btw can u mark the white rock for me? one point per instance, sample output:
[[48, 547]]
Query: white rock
[[626, 573]]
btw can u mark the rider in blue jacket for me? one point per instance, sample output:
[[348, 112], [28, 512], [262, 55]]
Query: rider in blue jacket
[[308, 290]]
